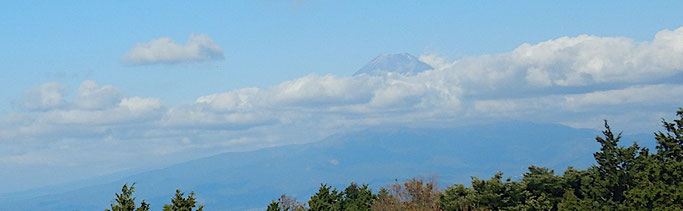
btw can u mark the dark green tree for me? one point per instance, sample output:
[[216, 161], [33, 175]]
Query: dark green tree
[[541, 190], [180, 203], [273, 206], [659, 179], [126, 202], [357, 197], [615, 167], [495, 194], [327, 198], [458, 197]]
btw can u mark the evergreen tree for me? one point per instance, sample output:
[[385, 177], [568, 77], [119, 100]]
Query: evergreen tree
[[273, 206], [357, 197], [660, 176], [615, 169], [458, 197], [327, 198], [493, 194], [180, 203], [126, 202], [541, 190]]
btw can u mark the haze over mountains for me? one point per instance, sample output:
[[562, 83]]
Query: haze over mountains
[[377, 156]]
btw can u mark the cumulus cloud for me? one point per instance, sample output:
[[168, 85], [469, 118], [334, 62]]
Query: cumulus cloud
[[579, 61], [164, 50], [51, 115], [348, 95], [45, 96], [93, 96], [582, 74]]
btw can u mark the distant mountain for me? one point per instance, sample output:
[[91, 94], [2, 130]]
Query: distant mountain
[[402, 63], [378, 156]]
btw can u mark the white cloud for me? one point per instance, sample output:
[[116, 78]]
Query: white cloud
[[95, 110], [93, 96], [639, 95], [435, 61], [43, 97], [129, 110], [198, 117], [584, 60], [140, 105], [164, 50], [332, 95]]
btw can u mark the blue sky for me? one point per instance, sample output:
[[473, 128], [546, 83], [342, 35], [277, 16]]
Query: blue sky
[[86, 83]]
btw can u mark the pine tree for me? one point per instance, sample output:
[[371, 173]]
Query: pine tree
[[327, 198], [357, 197], [615, 169], [273, 206], [126, 202], [660, 175], [180, 203], [458, 197]]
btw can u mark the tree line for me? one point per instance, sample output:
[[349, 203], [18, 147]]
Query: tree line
[[623, 178], [126, 202]]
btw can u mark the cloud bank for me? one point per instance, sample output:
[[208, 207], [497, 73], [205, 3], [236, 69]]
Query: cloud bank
[[164, 50], [576, 81]]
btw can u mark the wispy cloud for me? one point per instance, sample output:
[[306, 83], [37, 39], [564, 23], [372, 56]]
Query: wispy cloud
[[164, 50]]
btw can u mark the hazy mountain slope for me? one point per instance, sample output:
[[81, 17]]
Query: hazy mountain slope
[[376, 156]]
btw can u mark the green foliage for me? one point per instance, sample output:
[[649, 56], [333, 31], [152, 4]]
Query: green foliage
[[126, 202], [327, 198], [615, 169], [180, 203], [273, 206], [458, 197], [494, 193], [354, 197], [659, 177], [357, 197]]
